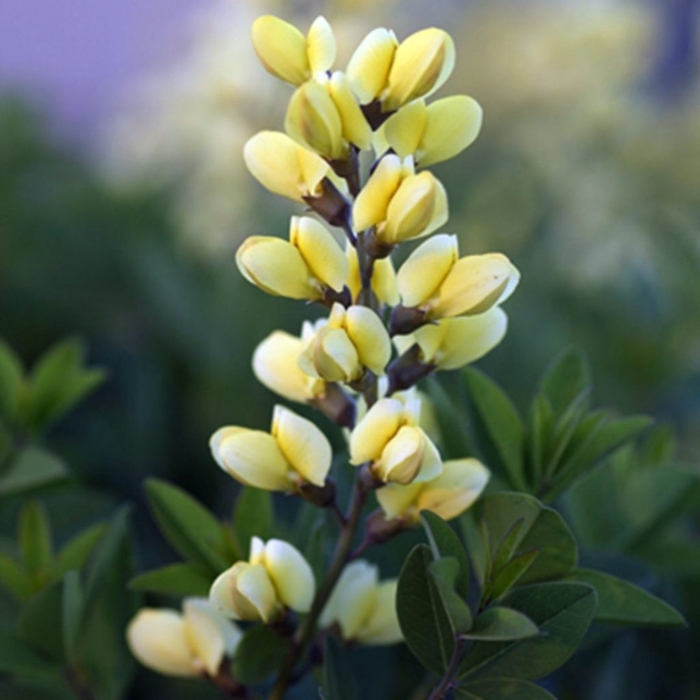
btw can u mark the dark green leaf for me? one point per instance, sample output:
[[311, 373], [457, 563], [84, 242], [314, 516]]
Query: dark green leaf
[[35, 542], [422, 617], [180, 580], [19, 659], [259, 655], [189, 527], [623, 603], [76, 552], [499, 624], [39, 622], [444, 542], [11, 376], [562, 611], [540, 436], [14, 578], [339, 679], [511, 573], [445, 573], [503, 689], [253, 516], [32, 468], [506, 548], [73, 608], [453, 426], [565, 380], [502, 423], [476, 544]]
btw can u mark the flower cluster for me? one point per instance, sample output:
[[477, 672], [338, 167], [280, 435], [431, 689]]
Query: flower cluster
[[354, 151]]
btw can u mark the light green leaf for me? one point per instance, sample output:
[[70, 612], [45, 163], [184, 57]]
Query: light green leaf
[[444, 542], [35, 542], [623, 603], [14, 578], [565, 380], [73, 609], [502, 422], [11, 377], [180, 580], [510, 574], [188, 526], [259, 655], [76, 551], [562, 611], [32, 468], [499, 624], [503, 689], [445, 573]]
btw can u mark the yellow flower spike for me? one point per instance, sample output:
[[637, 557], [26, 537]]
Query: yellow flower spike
[[474, 284], [276, 267], [383, 278], [287, 54], [369, 335], [303, 445], [372, 202], [276, 365], [369, 66], [356, 130], [434, 133], [374, 430], [313, 120], [186, 644], [402, 457], [284, 167], [321, 252], [457, 487], [418, 207], [425, 269], [363, 608], [245, 592], [422, 63]]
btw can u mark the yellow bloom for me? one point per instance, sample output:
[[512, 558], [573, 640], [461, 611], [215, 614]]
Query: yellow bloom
[[390, 438], [188, 644], [448, 495], [340, 348], [435, 132], [276, 365], [383, 278], [284, 167], [434, 279], [363, 608], [275, 576], [302, 268], [287, 54], [399, 203], [454, 342], [382, 69], [294, 452]]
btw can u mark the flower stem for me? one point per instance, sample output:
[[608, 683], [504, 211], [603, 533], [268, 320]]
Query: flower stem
[[447, 680]]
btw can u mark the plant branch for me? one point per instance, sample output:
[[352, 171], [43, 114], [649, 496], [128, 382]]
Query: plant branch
[[447, 680]]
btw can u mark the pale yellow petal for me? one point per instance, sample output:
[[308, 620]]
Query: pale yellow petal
[[356, 130], [369, 335], [371, 434], [382, 626], [255, 585], [404, 130], [431, 466], [320, 251], [402, 457], [355, 597], [397, 499], [368, 68], [281, 48], [291, 575], [425, 269], [320, 46], [372, 203], [335, 357]]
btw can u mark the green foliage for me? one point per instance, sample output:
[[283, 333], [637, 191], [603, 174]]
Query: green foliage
[[500, 624], [338, 677], [503, 689], [180, 580], [259, 655], [32, 468], [253, 516]]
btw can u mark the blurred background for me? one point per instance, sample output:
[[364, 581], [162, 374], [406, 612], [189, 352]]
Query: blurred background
[[123, 197]]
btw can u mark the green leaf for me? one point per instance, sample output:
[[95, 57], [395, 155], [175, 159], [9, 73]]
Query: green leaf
[[508, 545], [540, 436], [445, 573], [422, 617], [253, 516], [502, 423], [338, 677], [76, 551], [73, 608], [35, 542], [499, 624], [511, 573], [32, 468], [565, 380], [543, 530], [562, 611], [11, 377], [19, 659], [260, 653], [57, 383], [180, 580], [14, 578], [476, 544], [39, 622], [503, 689], [453, 426], [444, 542], [623, 603], [188, 526]]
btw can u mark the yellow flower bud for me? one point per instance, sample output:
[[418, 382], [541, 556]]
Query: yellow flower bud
[[276, 576], [356, 130], [276, 365], [459, 484], [389, 437], [188, 644], [287, 54], [369, 66], [434, 133], [295, 451], [339, 349], [454, 342], [383, 278], [422, 63], [284, 167], [372, 203], [299, 269], [363, 608], [434, 279]]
